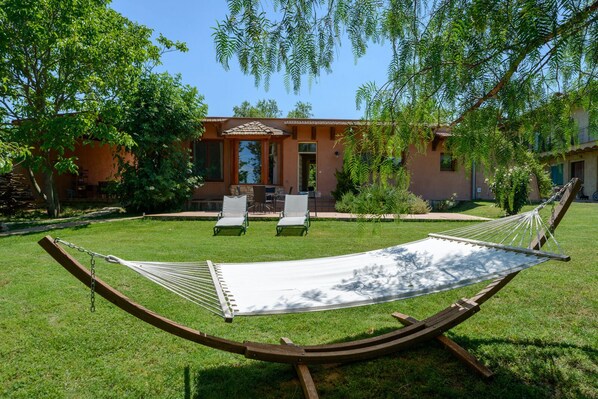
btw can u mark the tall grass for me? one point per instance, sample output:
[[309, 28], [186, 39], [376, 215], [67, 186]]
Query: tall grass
[[539, 334]]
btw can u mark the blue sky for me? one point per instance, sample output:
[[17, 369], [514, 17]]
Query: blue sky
[[191, 21]]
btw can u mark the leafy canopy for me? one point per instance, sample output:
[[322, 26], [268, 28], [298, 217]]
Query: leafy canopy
[[262, 109], [269, 109], [497, 72], [160, 116], [64, 65], [301, 111]]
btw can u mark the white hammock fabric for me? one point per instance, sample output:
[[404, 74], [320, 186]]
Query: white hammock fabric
[[403, 271], [440, 262]]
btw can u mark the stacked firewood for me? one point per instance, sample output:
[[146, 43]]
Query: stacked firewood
[[15, 193]]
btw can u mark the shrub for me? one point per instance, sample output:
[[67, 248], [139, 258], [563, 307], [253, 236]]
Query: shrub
[[445, 204], [345, 203], [344, 185], [376, 200], [14, 193], [417, 205]]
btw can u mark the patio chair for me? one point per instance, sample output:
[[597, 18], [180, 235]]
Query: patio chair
[[233, 215], [295, 214], [261, 201]]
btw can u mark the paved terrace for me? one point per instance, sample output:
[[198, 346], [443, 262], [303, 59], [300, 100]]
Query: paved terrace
[[432, 216]]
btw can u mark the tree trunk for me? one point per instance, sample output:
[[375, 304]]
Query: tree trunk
[[47, 192], [34, 183], [51, 195]]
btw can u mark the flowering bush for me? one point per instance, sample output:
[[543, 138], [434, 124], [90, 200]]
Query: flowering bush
[[511, 188], [511, 185]]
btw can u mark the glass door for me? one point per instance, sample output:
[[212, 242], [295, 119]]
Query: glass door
[[308, 168]]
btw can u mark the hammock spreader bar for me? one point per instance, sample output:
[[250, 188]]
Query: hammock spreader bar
[[224, 303], [549, 255]]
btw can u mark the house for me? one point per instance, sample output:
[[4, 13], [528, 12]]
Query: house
[[581, 160], [291, 155], [302, 155]]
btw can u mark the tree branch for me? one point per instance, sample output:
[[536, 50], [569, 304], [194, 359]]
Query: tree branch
[[563, 28]]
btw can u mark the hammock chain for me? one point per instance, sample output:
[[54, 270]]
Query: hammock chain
[[92, 285], [92, 255], [108, 258]]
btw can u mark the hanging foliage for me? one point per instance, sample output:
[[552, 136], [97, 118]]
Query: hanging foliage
[[502, 74]]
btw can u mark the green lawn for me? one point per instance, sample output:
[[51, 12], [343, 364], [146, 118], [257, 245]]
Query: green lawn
[[487, 209], [539, 334]]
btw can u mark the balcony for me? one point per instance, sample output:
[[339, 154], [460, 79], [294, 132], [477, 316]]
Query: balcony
[[586, 140]]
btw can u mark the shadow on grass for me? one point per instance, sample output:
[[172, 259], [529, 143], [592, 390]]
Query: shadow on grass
[[292, 232], [524, 369], [538, 343], [230, 231], [466, 206], [35, 229]]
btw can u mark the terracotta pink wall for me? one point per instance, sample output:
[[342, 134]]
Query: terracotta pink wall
[[429, 182], [327, 162], [290, 162], [96, 160]]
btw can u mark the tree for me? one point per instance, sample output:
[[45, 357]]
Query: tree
[[64, 65], [161, 115], [500, 73], [302, 111], [8, 153], [262, 109]]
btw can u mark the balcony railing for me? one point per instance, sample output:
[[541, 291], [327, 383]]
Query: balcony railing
[[584, 136]]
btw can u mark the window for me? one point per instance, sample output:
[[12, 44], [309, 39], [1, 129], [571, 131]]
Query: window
[[447, 162], [307, 148], [556, 174], [207, 160], [250, 162]]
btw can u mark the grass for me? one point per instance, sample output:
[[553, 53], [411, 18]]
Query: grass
[[539, 334], [487, 209]]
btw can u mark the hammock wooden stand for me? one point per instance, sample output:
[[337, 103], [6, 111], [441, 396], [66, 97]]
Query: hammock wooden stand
[[414, 332]]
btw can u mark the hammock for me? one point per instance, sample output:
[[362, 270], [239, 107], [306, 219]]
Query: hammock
[[440, 262], [486, 250]]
